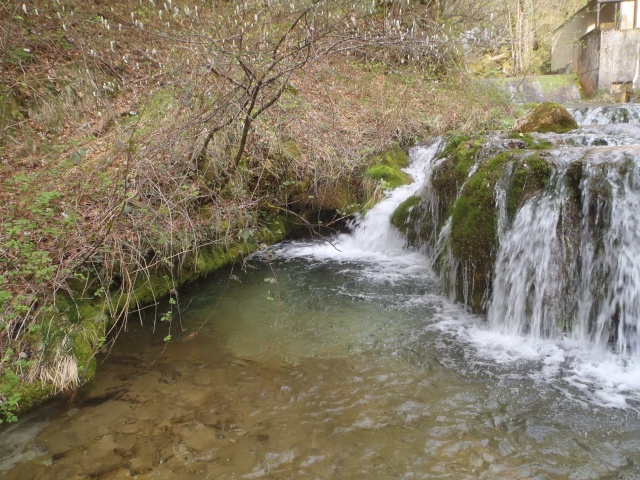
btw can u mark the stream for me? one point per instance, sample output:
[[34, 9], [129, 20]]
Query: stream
[[337, 360]]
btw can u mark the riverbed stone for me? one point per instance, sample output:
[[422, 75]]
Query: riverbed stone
[[546, 117]]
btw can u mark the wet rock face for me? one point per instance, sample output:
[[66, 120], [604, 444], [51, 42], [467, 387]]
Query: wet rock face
[[547, 117]]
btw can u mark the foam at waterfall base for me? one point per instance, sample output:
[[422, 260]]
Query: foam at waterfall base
[[584, 372]]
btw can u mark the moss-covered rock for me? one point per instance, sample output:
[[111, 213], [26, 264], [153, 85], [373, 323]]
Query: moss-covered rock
[[547, 117], [458, 158], [463, 192], [531, 175], [474, 215], [395, 157], [392, 178], [386, 168], [400, 216]]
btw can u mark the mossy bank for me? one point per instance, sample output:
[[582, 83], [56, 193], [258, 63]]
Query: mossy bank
[[81, 322]]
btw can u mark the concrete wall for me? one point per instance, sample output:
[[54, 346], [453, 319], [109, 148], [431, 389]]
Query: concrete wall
[[586, 61], [567, 36], [618, 57]]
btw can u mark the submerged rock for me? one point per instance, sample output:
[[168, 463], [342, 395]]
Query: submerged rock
[[547, 117]]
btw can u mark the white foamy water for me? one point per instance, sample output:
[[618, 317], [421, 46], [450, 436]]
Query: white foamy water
[[373, 239], [606, 114]]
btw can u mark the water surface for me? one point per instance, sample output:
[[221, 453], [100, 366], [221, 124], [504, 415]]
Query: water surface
[[335, 362]]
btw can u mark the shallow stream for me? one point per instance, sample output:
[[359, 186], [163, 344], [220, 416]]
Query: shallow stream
[[336, 361]]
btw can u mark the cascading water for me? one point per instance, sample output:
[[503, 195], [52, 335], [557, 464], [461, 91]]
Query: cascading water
[[606, 114], [372, 238], [558, 261], [566, 270]]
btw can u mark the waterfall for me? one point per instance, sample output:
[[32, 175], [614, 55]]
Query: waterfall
[[555, 275], [527, 286], [606, 114], [372, 238], [541, 232]]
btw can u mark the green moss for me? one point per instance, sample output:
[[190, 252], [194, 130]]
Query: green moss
[[459, 157], [452, 145], [395, 157], [531, 175], [547, 117], [387, 168], [391, 177], [532, 144], [555, 83], [148, 289], [27, 395], [85, 344], [473, 227], [474, 239], [400, 217], [76, 320], [530, 106]]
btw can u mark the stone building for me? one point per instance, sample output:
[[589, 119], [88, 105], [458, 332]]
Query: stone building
[[601, 44]]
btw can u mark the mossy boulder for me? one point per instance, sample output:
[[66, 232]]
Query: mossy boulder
[[386, 168], [464, 186], [392, 178], [400, 218], [546, 117], [474, 217], [458, 158]]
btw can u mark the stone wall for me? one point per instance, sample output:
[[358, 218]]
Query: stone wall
[[540, 88], [606, 58], [586, 61], [566, 37], [618, 57]]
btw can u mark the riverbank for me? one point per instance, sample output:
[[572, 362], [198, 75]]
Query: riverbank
[[118, 185]]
